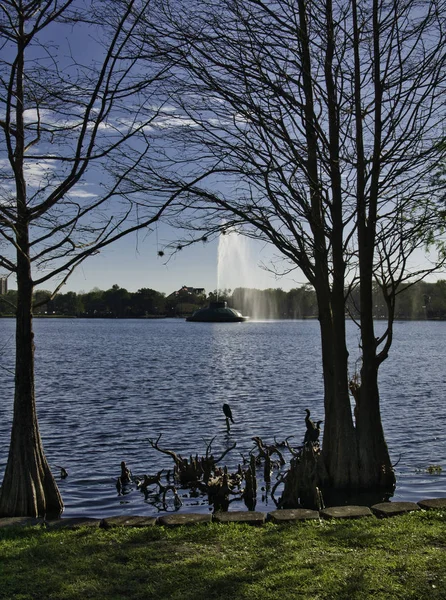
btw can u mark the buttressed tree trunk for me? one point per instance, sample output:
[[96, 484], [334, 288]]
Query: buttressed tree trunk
[[339, 448], [28, 487]]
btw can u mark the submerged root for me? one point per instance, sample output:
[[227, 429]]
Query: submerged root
[[303, 483]]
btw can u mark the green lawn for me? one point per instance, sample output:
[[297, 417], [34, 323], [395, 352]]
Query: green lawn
[[402, 557]]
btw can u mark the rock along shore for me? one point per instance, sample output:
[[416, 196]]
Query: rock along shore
[[382, 510]]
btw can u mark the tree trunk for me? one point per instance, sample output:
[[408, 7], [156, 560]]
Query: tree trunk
[[374, 461], [28, 488], [375, 467], [339, 441]]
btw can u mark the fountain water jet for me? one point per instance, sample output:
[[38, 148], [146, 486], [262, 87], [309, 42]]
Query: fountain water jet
[[236, 268], [230, 246], [234, 262]]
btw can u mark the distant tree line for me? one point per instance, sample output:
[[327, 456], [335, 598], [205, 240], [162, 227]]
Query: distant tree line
[[421, 301]]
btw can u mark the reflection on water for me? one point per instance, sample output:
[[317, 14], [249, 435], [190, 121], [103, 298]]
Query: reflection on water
[[105, 387]]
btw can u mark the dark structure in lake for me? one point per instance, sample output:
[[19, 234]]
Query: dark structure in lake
[[217, 312]]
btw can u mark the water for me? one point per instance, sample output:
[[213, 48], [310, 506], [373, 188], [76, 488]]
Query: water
[[104, 387], [234, 262], [238, 266]]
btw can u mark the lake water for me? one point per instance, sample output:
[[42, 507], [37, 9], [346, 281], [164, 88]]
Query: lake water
[[104, 387]]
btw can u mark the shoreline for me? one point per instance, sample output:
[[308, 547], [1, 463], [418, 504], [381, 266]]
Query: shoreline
[[380, 511], [184, 317]]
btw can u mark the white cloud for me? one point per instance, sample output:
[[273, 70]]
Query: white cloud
[[172, 122], [38, 172], [82, 193]]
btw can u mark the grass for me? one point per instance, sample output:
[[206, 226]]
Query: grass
[[402, 557]]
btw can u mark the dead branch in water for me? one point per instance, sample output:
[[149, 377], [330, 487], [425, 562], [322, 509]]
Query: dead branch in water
[[195, 468]]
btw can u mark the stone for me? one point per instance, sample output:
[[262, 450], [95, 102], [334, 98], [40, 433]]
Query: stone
[[73, 523], [346, 512], [240, 516], [292, 514], [390, 509], [20, 522], [432, 503], [127, 521], [177, 519]]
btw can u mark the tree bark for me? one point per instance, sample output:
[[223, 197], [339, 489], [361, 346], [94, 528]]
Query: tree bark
[[28, 488], [375, 467], [339, 441]]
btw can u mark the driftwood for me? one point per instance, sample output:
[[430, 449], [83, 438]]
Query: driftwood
[[195, 468], [163, 489], [202, 473], [265, 453], [302, 483], [159, 497], [160, 491], [304, 480], [294, 451], [268, 449], [144, 483], [283, 443], [220, 487], [250, 492]]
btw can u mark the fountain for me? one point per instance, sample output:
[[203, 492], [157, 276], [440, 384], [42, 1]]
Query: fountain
[[239, 268], [219, 311]]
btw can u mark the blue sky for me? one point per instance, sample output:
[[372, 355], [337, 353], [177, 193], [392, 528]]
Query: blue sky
[[134, 263]]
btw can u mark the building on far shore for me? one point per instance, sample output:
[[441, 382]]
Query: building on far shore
[[3, 286], [188, 290]]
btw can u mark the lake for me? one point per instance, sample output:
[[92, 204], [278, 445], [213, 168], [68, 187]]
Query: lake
[[104, 387]]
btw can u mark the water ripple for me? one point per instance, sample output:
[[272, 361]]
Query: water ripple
[[105, 387]]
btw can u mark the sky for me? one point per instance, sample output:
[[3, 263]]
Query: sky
[[133, 262]]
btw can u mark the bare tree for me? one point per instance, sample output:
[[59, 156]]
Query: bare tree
[[76, 115], [315, 126]]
